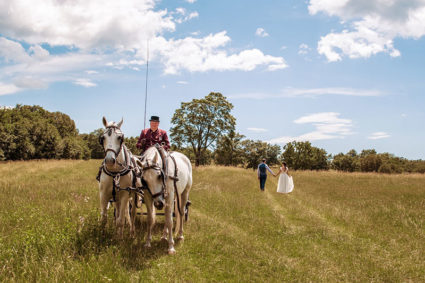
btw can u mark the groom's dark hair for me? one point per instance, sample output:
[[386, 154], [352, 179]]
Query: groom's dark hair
[[264, 160]]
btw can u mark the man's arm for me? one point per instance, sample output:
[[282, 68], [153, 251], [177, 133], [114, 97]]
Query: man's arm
[[166, 141], [140, 140], [270, 170]]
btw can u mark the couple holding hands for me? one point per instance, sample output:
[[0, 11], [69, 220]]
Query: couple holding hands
[[285, 184]]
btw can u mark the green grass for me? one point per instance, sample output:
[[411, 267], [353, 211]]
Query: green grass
[[334, 227]]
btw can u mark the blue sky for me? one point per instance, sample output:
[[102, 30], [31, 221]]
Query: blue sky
[[342, 74]]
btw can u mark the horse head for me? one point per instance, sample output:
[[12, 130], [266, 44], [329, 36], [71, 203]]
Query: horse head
[[153, 175], [111, 140]]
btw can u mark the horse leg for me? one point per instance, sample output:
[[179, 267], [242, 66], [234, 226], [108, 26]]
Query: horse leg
[[122, 209], [177, 214], [128, 212], [150, 219], [104, 199], [164, 236], [168, 211], [184, 198], [133, 215], [165, 233]]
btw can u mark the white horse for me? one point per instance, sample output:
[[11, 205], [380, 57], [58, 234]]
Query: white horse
[[117, 177], [162, 186]]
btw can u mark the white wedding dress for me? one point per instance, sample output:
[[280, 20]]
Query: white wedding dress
[[285, 184]]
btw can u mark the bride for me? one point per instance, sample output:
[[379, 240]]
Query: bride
[[285, 184]]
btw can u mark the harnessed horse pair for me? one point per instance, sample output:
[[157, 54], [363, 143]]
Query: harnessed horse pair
[[125, 171]]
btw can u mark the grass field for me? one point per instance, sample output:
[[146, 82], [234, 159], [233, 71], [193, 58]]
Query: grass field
[[334, 227]]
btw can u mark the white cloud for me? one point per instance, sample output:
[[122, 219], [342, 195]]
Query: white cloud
[[84, 24], [379, 135], [183, 15], [190, 1], [208, 53], [30, 83], [372, 26], [85, 83], [257, 130], [361, 43], [311, 92], [327, 125], [12, 51], [93, 34], [261, 32], [8, 88], [182, 82], [120, 64], [91, 72], [181, 11], [54, 67], [303, 49]]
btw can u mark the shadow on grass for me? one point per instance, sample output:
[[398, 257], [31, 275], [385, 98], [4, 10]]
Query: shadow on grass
[[93, 239]]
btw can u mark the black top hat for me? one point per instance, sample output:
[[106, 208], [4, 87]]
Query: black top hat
[[154, 119]]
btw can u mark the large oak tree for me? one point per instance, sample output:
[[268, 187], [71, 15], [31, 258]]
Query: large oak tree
[[201, 122]]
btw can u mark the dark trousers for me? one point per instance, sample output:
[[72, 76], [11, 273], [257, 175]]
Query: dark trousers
[[263, 179]]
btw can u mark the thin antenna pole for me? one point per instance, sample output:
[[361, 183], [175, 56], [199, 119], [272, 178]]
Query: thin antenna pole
[[146, 87]]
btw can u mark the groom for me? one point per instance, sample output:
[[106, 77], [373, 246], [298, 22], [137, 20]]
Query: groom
[[262, 173]]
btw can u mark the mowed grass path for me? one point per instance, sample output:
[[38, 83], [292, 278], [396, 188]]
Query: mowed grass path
[[334, 227]]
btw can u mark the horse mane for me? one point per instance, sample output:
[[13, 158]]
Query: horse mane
[[149, 154]]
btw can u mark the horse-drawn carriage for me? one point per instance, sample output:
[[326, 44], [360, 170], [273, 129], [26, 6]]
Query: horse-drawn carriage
[[157, 178]]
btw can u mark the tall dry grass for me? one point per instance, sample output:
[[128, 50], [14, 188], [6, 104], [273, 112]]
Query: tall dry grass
[[333, 227]]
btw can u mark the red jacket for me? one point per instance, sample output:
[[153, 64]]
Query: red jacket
[[149, 138]]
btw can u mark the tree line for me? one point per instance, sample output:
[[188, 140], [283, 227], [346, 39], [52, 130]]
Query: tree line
[[31, 132], [203, 129]]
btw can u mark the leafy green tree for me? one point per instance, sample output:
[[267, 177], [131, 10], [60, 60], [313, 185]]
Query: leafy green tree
[[348, 162], [75, 148], [370, 161], [92, 141], [385, 168], [130, 143], [229, 150], [207, 157], [28, 132], [392, 164], [304, 156], [201, 122], [416, 166], [255, 151], [63, 123]]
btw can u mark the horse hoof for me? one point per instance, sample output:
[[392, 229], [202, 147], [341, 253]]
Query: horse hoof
[[164, 238], [180, 238], [171, 251], [147, 245]]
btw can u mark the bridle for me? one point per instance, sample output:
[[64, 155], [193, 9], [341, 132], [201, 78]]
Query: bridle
[[156, 167], [109, 131]]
